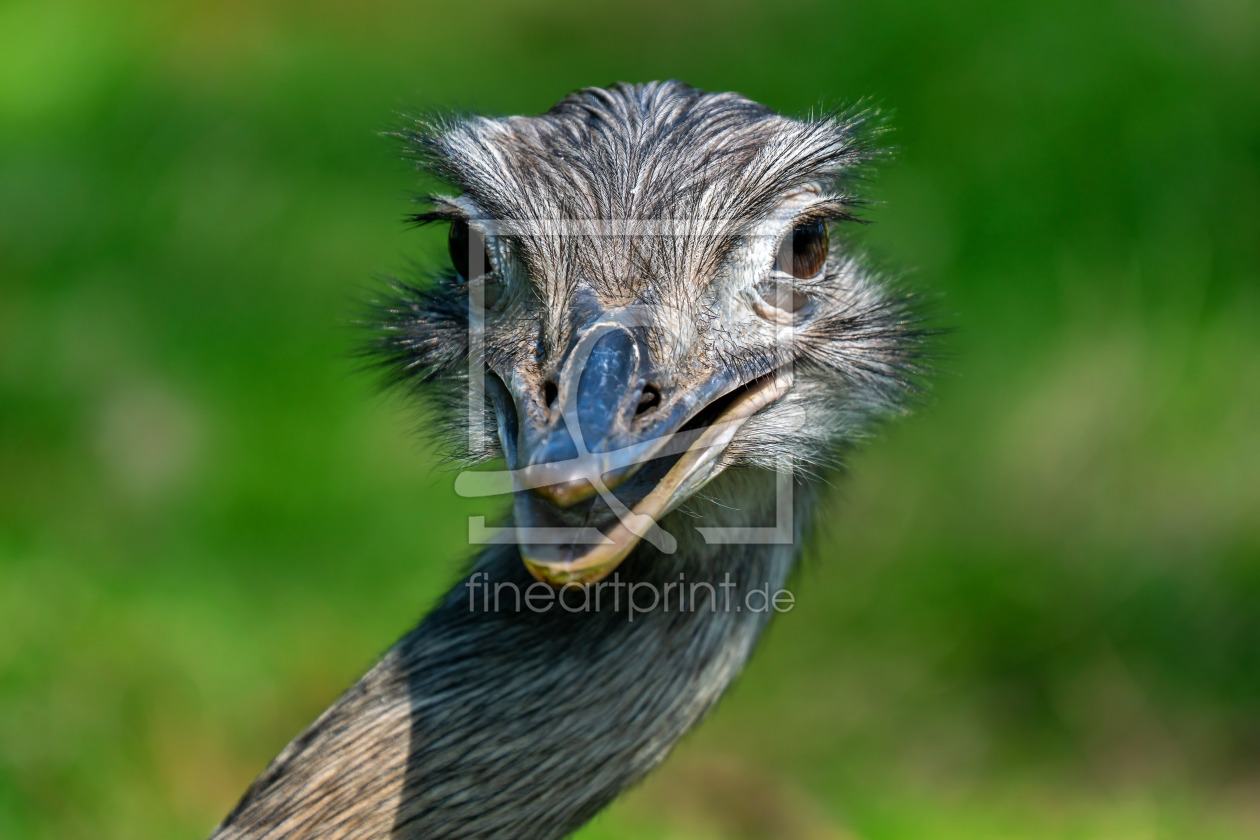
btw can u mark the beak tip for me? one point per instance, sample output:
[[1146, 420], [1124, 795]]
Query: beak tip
[[558, 575]]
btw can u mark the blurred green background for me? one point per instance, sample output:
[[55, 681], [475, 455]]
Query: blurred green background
[[1035, 611]]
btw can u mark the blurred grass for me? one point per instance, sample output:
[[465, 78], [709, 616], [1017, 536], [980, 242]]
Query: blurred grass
[[1036, 610]]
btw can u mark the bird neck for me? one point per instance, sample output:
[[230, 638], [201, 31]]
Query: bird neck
[[518, 711]]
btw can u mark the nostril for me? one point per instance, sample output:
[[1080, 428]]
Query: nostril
[[648, 400], [550, 392]]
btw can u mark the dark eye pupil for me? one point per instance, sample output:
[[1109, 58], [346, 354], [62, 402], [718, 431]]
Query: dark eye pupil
[[809, 250], [461, 244]]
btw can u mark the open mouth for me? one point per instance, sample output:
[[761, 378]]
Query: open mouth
[[583, 543]]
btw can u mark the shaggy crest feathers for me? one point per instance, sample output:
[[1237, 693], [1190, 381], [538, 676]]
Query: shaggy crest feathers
[[574, 187]]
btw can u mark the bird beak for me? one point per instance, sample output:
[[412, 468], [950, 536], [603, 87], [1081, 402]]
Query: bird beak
[[567, 458]]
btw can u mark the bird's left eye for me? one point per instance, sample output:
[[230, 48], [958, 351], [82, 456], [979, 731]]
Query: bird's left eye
[[462, 243], [803, 252]]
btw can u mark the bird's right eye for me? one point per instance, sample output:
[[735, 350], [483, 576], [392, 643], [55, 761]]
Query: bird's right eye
[[803, 253], [462, 243]]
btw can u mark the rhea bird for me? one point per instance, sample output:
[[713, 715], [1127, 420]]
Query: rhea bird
[[657, 326]]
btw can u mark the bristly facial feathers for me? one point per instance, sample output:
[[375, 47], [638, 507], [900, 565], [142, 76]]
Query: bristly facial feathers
[[672, 199]]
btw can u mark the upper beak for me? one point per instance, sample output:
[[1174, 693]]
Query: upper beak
[[595, 436]]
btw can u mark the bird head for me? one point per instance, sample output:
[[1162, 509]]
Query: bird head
[[646, 288]]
